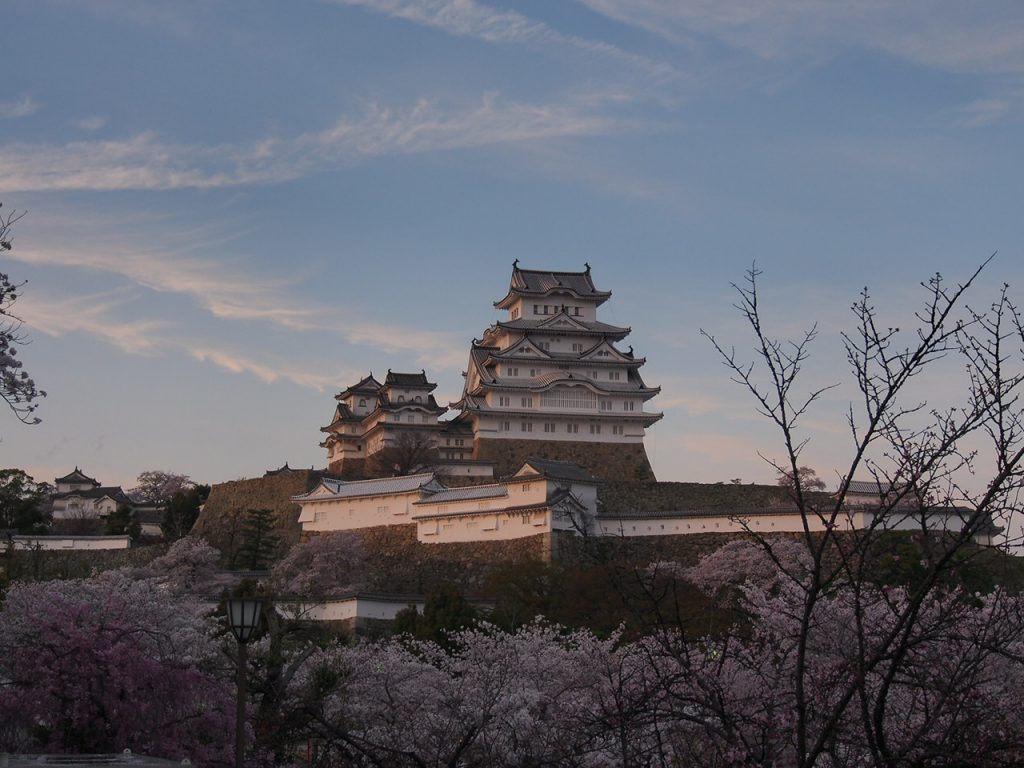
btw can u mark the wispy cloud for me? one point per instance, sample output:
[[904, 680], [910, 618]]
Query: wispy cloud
[[983, 112], [228, 292], [223, 291], [945, 34], [93, 314], [91, 123], [146, 162], [102, 316], [271, 372], [23, 107], [471, 19]]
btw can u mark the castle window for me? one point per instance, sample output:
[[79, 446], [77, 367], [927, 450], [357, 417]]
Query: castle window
[[527, 402], [595, 429], [572, 428], [419, 399], [509, 371], [504, 402], [411, 419], [459, 441], [615, 375], [505, 426], [606, 405], [576, 311], [401, 398], [515, 313], [536, 309], [527, 426], [617, 429], [577, 347], [628, 405], [362, 402], [549, 426]]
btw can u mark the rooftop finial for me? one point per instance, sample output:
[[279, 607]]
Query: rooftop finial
[[515, 264], [587, 265]]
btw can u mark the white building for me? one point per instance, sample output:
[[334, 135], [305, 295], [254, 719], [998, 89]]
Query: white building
[[551, 375], [400, 415], [80, 497], [544, 496]]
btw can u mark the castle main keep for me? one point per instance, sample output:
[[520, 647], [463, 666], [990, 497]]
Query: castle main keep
[[548, 381]]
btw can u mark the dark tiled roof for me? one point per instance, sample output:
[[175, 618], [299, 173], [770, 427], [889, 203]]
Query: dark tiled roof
[[149, 516], [429, 404], [367, 385], [560, 470], [872, 487], [78, 476], [408, 379], [585, 327], [542, 282], [113, 491], [284, 470]]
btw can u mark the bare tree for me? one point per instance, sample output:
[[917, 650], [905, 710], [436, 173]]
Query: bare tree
[[17, 388], [932, 475], [155, 486], [809, 479], [411, 452]]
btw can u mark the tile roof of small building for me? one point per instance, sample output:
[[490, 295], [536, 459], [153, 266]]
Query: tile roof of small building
[[113, 491], [78, 476], [342, 489], [560, 470], [465, 493], [872, 487]]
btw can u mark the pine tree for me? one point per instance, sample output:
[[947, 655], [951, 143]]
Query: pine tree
[[259, 542]]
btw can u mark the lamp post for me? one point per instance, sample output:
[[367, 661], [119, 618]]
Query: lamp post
[[243, 619]]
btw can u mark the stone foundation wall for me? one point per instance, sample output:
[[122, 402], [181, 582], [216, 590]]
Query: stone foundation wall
[[349, 469], [220, 522], [606, 461], [397, 562]]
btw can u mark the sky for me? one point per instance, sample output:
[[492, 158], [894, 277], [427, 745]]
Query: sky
[[236, 209]]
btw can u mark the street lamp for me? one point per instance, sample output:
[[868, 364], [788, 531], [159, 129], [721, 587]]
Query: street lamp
[[243, 620]]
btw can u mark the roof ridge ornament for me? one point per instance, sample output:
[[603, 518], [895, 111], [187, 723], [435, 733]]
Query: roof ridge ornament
[[587, 265]]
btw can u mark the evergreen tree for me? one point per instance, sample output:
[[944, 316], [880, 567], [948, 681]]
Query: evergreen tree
[[121, 522], [182, 511], [259, 542], [22, 502]]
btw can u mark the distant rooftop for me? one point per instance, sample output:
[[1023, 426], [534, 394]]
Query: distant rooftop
[[544, 282]]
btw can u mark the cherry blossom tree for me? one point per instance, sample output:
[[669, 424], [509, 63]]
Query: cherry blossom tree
[[326, 565], [17, 388], [107, 664], [857, 702]]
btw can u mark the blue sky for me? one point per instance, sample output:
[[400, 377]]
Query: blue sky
[[238, 208]]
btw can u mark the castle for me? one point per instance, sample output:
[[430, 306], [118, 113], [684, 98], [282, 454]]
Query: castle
[[546, 381]]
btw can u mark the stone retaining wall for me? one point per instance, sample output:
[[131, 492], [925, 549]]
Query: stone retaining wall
[[220, 522], [606, 461]]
